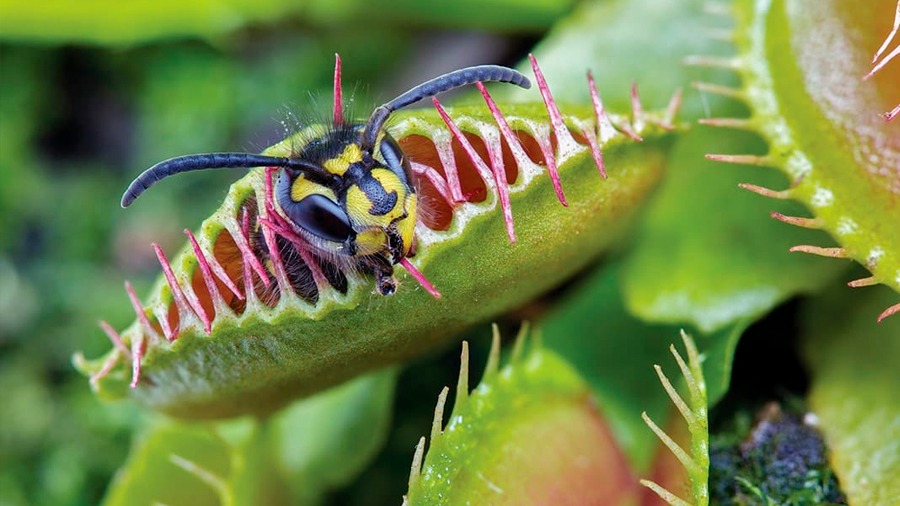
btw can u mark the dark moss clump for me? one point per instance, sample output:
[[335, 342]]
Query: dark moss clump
[[781, 460]]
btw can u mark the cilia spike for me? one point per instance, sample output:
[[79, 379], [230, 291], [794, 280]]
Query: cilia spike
[[877, 66]]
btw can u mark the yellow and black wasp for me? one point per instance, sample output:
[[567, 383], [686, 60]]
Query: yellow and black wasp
[[349, 193]]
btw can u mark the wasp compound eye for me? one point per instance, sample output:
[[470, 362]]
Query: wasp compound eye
[[322, 217]]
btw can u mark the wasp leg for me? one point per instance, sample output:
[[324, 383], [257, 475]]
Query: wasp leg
[[383, 270], [395, 242]]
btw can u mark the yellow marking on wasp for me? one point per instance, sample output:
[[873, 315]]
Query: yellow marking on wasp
[[339, 164], [370, 241], [407, 226], [358, 205], [302, 188]]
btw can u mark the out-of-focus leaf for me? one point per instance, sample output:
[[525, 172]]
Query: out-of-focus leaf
[[22, 99], [111, 22], [615, 352], [292, 458], [604, 36], [855, 376], [323, 442], [151, 476]]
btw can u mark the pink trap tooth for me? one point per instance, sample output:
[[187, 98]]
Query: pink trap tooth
[[482, 168], [163, 319], [246, 267], [630, 133], [107, 366], [138, 342], [214, 265], [115, 338], [274, 225], [512, 140], [317, 274], [419, 277], [183, 299], [434, 176], [889, 312], [279, 226], [637, 110], [605, 128], [338, 95], [550, 160], [813, 223], [302, 248], [268, 225], [207, 272], [627, 130], [248, 257], [137, 355], [564, 139], [275, 255], [595, 151], [889, 116], [139, 311], [448, 161], [672, 110], [496, 155]]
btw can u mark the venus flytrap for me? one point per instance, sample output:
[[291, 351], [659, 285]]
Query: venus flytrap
[[237, 326]]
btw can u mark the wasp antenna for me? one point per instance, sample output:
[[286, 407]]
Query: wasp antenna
[[204, 161], [436, 86]]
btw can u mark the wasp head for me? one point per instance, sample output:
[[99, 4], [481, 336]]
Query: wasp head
[[358, 204]]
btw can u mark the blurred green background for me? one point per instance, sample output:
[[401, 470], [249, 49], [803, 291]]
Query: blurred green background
[[93, 92]]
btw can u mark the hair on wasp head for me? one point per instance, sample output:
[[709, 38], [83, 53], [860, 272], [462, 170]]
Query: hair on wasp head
[[345, 189]]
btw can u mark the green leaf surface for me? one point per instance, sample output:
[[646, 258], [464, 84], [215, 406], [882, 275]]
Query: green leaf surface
[[258, 361], [615, 352], [294, 457], [528, 434], [855, 375]]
